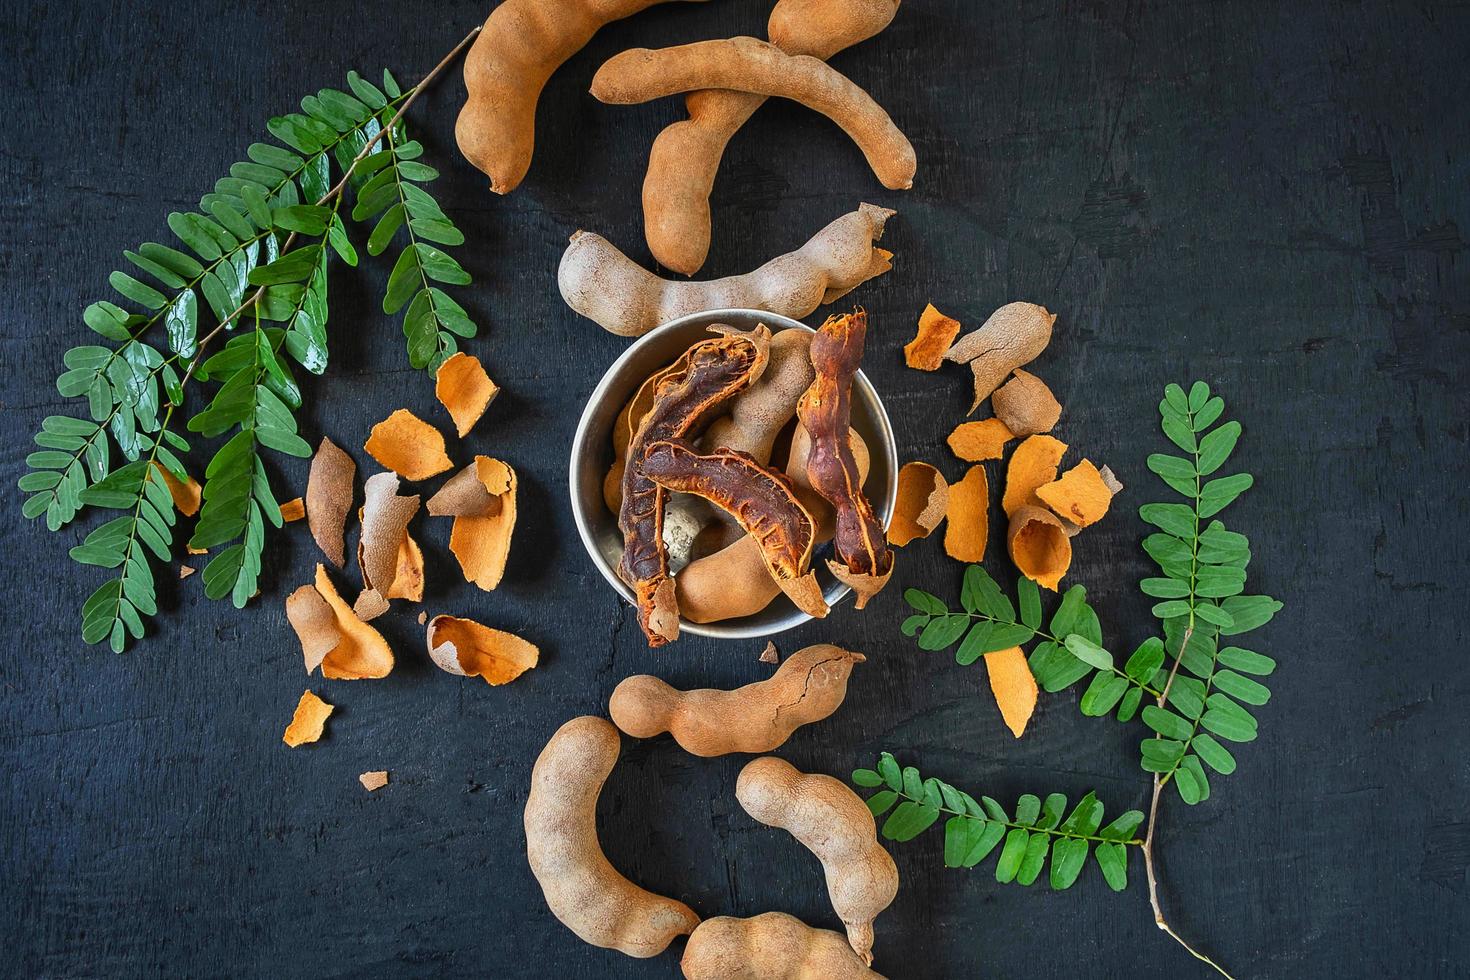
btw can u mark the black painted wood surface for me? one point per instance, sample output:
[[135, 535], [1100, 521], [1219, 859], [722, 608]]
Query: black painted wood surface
[[1269, 196]]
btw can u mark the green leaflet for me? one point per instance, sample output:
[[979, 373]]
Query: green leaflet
[[248, 268], [1034, 834]]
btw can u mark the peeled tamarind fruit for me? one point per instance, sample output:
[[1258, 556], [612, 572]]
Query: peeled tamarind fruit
[[581, 886], [835, 824], [771, 946], [758, 717]]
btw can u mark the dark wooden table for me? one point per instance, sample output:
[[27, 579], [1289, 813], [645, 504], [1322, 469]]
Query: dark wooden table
[[1268, 196]]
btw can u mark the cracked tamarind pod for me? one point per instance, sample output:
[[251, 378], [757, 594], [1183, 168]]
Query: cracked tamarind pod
[[604, 285], [683, 399], [581, 886], [825, 410], [685, 157], [756, 718], [833, 823], [733, 581], [769, 946], [763, 502], [522, 43]]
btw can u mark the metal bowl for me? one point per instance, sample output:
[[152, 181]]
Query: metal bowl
[[592, 454]]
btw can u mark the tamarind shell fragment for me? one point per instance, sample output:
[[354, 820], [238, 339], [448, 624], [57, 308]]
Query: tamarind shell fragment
[[763, 502], [714, 370], [825, 410]]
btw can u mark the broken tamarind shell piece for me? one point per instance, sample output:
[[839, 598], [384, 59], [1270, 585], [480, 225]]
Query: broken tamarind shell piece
[[683, 399], [825, 410], [333, 636], [1033, 464], [481, 542], [463, 387], [1014, 687], [923, 498], [187, 494], [1012, 337], [308, 721], [763, 502], [408, 446], [1039, 546], [468, 649], [976, 441], [329, 490], [385, 517], [1081, 496], [935, 333], [1026, 405], [293, 510], [969, 517]]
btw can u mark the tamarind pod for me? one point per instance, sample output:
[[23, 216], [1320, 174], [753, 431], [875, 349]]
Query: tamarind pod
[[581, 886], [808, 686], [833, 823], [763, 502], [825, 410], [733, 581], [683, 399], [685, 157], [769, 946], [604, 285], [522, 43], [747, 64], [759, 413]]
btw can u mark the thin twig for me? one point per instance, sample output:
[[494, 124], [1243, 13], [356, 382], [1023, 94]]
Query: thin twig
[[1148, 837], [336, 190]]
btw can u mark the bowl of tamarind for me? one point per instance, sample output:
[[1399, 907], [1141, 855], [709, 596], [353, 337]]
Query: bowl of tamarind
[[720, 389]]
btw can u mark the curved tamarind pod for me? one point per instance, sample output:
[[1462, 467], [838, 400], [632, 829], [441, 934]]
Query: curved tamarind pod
[[825, 410], [770, 946], [747, 64], [835, 824], [759, 413], [809, 686], [685, 157], [607, 287], [521, 44], [763, 502], [733, 581], [581, 886], [683, 399]]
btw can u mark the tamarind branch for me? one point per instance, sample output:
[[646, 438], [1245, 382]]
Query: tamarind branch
[[335, 192]]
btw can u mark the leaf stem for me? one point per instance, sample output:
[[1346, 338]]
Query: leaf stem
[[1055, 832]]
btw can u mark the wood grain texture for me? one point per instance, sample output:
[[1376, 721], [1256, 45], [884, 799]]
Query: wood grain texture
[[1268, 195]]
